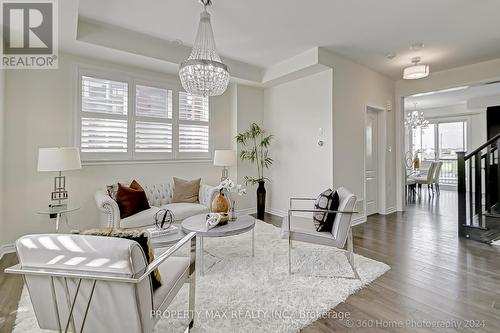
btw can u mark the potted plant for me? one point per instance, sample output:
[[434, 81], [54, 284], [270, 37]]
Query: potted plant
[[256, 142]]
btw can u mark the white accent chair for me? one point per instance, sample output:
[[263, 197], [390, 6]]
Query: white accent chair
[[159, 197], [100, 284], [304, 230]]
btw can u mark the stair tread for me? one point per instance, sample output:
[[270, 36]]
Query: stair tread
[[488, 234]]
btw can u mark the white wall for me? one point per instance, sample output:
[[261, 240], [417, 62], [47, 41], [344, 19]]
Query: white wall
[[336, 102], [487, 71], [354, 88], [293, 113], [39, 112], [2, 156], [249, 103]]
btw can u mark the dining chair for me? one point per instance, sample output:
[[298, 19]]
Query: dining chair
[[437, 175], [426, 179]]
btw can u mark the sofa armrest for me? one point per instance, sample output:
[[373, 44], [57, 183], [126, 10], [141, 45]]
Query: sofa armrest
[[207, 194], [109, 208]]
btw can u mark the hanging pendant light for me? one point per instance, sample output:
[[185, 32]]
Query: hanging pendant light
[[203, 73]]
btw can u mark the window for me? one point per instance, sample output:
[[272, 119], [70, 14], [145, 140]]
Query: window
[[440, 142], [122, 119]]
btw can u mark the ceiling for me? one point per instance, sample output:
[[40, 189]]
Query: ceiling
[[263, 33], [451, 97]]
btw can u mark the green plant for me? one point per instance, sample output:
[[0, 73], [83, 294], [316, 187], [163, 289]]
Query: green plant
[[256, 144]]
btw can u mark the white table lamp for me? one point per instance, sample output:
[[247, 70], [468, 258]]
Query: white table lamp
[[224, 158], [58, 160]]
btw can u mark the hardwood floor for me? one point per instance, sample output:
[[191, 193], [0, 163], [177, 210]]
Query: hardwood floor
[[435, 278], [10, 291]]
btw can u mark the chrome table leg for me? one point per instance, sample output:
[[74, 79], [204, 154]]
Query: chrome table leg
[[253, 242], [202, 267]]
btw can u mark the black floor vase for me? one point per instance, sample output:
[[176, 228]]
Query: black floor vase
[[261, 200]]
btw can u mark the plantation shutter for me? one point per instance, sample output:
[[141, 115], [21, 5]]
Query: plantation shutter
[[153, 137], [153, 125], [103, 135], [103, 119], [153, 102], [104, 96], [194, 134]]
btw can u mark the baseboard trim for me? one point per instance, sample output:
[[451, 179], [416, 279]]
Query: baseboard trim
[[252, 210], [359, 220], [389, 210], [7, 248], [277, 212]]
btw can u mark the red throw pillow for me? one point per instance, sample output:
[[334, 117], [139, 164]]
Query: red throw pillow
[[131, 200]]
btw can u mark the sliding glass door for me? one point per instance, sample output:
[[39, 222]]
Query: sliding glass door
[[440, 142]]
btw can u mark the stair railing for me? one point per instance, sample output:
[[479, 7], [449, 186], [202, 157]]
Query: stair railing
[[475, 175]]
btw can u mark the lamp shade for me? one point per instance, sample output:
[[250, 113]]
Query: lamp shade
[[59, 159], [224, 158]]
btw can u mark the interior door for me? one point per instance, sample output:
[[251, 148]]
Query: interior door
[[371, 177]]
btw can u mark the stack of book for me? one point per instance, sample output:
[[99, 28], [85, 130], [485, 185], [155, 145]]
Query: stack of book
[[157, 232]]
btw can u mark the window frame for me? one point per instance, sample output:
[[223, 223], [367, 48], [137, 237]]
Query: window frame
[[131, 155]]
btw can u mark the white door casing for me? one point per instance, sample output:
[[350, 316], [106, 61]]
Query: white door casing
[[371, 172]]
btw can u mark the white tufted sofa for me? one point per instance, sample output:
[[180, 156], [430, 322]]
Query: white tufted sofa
[[159, 197]]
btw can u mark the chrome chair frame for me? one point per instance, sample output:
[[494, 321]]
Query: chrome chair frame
[[95, 277], [349, 243]]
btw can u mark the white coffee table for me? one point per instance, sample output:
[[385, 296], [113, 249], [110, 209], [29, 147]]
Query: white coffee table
[[198, 224]]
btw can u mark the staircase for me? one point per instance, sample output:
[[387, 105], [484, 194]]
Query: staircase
[[479, 192]]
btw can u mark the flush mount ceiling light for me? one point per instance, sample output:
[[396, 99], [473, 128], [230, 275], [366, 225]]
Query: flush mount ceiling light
[[416, 71], [203, 73]]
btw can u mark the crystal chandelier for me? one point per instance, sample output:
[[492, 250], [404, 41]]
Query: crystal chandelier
[[416, 120], [203, 73]]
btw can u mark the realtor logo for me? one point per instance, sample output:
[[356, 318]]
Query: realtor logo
[[29, 34]]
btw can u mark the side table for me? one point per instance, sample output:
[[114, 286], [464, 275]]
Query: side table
[[59, 212]]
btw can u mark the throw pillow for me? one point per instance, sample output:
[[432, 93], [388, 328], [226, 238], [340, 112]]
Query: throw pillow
[[328, 200], [113, 189], [131, 200], [135, 235], [186, 190]]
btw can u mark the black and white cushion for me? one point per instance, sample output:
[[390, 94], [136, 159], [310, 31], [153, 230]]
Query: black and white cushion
[[328, 200]]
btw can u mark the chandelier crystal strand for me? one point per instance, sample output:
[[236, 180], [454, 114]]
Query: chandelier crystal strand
[[203, 73]]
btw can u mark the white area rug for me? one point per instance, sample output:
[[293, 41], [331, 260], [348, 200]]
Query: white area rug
[[244, 294]]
